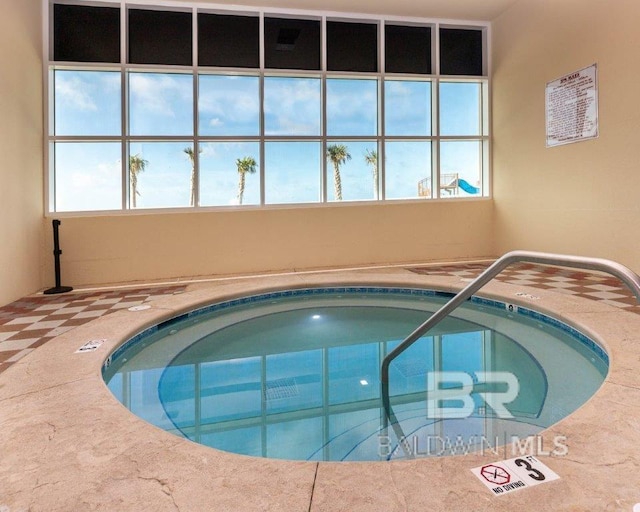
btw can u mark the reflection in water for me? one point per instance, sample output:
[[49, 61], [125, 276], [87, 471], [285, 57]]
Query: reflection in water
[[302, 381]]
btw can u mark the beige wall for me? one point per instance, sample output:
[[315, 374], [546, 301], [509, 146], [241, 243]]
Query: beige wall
[[581, 198], [21, 149], [111, 249], [143, 247]]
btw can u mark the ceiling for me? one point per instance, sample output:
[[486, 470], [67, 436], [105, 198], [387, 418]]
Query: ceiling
[[481, 10]]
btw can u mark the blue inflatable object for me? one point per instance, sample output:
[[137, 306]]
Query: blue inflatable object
[[467, 187]]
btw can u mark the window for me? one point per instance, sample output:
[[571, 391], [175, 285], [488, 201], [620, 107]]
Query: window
[[461, 52], [408, 107], [87, 102], [86, 34], [88, 172], [228, 40], [460, 112], [292, 106], [352, 171], [407, 49], [461, 146], [291, 44], [160, 37], [228, 173], [229, 105], [160, 104], [160, 175], [352, 46], [179, 106], [88, 176], [352, 107], [408, 163], [460, 164], [292, 172]]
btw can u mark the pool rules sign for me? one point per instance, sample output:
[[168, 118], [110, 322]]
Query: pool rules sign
[[514, 474], [572, 107]]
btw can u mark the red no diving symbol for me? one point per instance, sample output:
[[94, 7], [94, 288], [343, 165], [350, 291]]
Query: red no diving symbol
[[495, 474]]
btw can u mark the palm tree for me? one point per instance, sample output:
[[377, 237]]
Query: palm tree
[[338, 154], [137, 164], [371, 157], [245, 165], [192, 158]]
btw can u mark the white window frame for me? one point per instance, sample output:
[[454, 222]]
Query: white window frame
[[123, 67]]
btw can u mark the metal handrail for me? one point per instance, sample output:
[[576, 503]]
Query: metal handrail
[[627, 276]]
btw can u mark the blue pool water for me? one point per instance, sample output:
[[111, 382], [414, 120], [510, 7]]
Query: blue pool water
[[295, 375]]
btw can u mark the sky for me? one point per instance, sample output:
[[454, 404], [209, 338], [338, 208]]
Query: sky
[[89, 174]]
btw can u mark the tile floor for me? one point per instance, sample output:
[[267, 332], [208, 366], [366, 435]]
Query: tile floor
[[37, 319], [589, 285], [67, 445]]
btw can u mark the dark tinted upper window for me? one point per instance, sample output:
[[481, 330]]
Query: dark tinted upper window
[[460, 52], [160, 37], [86, 34], [228, 40], [352, 46], [407, 49], [291, 44]]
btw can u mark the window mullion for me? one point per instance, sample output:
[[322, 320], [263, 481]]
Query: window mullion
[[380, 146], [263, 175], [261, 99], [435, 149], [323, 107], [291, 124], [380, 150], [124, 123], [196, 113]]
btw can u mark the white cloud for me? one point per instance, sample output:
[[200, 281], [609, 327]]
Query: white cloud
[[229, 99], [74, 92], [398, 88], [86, 90], [292, 106], [353, 100], [159, 94], [92, 187], [207, 150]]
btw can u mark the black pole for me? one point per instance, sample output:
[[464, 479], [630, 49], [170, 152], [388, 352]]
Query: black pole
[[56, 255]]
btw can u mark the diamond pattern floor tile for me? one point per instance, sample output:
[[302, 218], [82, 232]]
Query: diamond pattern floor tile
[[590, 285], [33, 321]]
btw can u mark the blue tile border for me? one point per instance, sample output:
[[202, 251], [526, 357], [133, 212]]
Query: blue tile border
[[417, 292], [567, 329]]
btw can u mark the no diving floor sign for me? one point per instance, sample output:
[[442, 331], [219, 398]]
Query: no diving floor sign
[[514, 474]]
